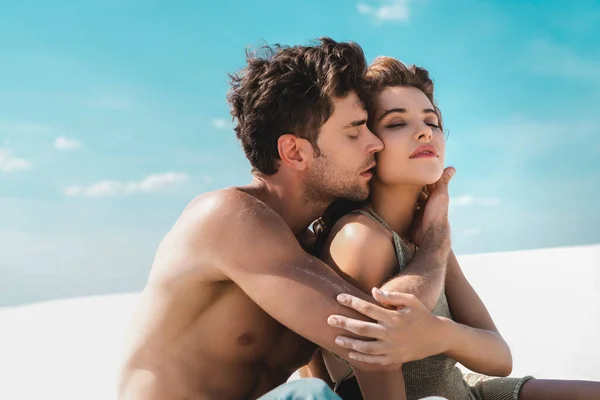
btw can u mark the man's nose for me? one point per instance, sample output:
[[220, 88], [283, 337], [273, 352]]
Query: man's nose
[[375, 144]]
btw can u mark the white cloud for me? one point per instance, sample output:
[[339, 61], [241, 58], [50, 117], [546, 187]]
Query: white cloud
[[220, 123], [10, 163], [548, 58], [62, 143], [152, 183], [466, 200], [394, 10], [364, 8]]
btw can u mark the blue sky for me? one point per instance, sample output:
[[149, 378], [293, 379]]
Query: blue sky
[[113, 116]]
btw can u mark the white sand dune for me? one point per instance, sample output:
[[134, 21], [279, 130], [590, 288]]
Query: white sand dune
[[545, 302]]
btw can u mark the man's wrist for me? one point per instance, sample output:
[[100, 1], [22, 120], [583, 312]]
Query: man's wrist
[[437, 244]]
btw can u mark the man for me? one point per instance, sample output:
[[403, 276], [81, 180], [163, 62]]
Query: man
[[234, 304]]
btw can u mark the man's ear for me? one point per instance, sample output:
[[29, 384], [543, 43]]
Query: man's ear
[[294, 151]]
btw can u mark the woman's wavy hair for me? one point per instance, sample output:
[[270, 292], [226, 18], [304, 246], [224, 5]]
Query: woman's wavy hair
[[384, 72]]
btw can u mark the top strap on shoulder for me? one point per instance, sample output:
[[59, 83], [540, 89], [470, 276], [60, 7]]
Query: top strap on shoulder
[[403, 251]]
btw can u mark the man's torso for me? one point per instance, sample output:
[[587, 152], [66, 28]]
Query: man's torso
[[197, 335]]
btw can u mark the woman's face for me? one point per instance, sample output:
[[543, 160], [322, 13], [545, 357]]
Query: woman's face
[[414, 145]]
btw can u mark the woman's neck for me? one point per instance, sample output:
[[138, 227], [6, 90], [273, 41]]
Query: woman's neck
[[395, 204]]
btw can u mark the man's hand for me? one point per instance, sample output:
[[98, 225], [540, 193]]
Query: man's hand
[[409, 332], [430, 226]]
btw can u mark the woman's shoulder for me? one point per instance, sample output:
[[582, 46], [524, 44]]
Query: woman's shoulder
[[358, 230], [361, 222], [362, 249]]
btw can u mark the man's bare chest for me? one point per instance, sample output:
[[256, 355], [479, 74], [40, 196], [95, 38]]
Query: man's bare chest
[[244, 332]]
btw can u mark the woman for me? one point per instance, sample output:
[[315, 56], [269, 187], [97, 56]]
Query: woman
[[404, 116]]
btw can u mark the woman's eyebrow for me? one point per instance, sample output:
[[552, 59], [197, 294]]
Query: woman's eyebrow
[[403, 110], [393, 110]]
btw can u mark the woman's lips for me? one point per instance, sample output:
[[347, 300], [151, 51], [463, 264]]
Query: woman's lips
[[425, 151]]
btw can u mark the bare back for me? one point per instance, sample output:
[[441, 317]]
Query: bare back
[[197, 335]]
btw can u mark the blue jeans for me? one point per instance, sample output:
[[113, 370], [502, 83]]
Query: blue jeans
[[302, 389]]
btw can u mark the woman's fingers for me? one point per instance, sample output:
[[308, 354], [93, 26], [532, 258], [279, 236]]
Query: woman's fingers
[[373, 347], [361, 328]]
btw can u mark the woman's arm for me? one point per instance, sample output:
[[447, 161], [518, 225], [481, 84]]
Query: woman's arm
[[473, 339], [363, 254]]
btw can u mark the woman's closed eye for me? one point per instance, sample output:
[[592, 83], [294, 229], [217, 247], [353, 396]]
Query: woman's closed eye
[[393, 125], [396, 125]]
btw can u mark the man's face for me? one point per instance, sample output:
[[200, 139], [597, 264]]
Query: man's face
[[343, 169]]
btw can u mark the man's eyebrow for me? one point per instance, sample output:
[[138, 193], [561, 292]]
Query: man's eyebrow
[[403, 110], [356, 123]]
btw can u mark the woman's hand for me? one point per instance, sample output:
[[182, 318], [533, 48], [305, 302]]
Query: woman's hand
[[406, 333]]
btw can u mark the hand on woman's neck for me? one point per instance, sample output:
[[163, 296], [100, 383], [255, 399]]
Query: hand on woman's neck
[[395, 204]]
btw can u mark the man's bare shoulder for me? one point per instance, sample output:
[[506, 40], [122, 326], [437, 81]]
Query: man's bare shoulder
[[189, 246], [217, 230], [231, 208]]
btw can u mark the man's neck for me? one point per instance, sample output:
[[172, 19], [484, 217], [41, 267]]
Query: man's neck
[[395, 204], [287, 198]]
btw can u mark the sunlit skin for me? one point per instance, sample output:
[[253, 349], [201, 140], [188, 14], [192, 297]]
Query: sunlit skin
[[413, 155], [233, 304], [413, 158]]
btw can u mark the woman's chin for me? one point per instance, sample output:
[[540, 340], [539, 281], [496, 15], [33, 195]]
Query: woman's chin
[[413, 178], [430, 177]]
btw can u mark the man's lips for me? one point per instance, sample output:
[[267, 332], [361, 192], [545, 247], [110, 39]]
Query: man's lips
[[369, 172], [424, 151]]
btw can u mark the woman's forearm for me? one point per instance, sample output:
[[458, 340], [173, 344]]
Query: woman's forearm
[[479, 350], [376, 385]]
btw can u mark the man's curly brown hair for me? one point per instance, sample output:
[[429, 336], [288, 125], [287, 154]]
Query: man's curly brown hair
[[286, 89]]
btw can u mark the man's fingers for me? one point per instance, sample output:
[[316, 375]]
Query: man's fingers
[[370, 359], [365, 347], [430, 189], [446, 177], [443, 182], [361, 328], [421, 202], [397, 299], [370, 310]]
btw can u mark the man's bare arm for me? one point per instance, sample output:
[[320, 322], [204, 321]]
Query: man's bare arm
[[425, 274], [252, 246]]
